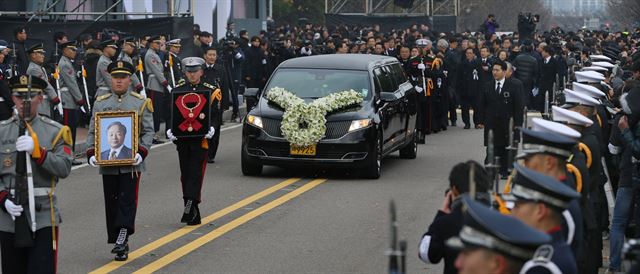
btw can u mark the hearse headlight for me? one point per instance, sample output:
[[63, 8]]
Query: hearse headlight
[[254, 121], [359, 124]]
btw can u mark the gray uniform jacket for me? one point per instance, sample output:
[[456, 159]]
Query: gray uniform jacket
[[155, 71], [127, 102], [54, 163], [69, 90], [51, 97], [103, 78], [134, 78]]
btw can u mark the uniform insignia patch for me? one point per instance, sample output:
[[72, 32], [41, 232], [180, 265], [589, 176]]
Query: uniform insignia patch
[[67, 150]]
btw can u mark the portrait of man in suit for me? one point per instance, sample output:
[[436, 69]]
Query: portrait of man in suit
[[115, 148]]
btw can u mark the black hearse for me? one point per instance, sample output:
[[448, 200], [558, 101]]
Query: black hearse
[[357, 137]]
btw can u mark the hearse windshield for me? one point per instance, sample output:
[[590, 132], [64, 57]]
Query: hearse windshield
[[317, 83]]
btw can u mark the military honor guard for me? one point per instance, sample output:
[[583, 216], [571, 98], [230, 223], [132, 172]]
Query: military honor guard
[[103, 78], [490, 242], [539, 201], [128, 49], [172, 63], [156, 83], [120, 183], [192, 150], [36, 56], [38, 149], [72, 99]]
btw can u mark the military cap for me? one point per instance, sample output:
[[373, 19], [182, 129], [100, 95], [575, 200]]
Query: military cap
[[154, 39], [572, 99], [205, 34], [120, 67], [599, 57], [174, 43], [545, 142], [552, 127], [423, 42], [529, 185], [19, 85], [2, 47], [192, 63], [130, 40], [594, 68], [486, 228], [588, 90], [588, 76], [603, 64], [565, 116], [37, 48], [69, 45], [109, 43]]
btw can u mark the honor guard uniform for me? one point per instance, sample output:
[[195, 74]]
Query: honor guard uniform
[[172, 63], [156, 83], [120, 183], [583, 159], [488, 234], [128, 47], [50, 97], [103, 78], [192, 151], [543, 141], [530, 191], [72, 99], [48, 148]]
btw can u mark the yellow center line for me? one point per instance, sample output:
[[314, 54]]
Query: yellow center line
[[113, 265], [195, 244]]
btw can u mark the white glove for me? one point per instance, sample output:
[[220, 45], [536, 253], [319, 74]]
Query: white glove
[[93, 162], [171, 136], [138, 159], [212, 131], [25, 143], [419, 89], [421, 66], [613, 149], [13, 209]]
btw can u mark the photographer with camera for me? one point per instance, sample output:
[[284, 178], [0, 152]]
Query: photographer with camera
[[233, 59], [527, 25], [489, 26]]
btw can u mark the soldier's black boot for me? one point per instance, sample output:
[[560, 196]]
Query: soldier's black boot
[[189, 210], [196, 216], [121, 248]]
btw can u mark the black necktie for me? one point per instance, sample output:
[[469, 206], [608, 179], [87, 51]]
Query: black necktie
[[498, 88]]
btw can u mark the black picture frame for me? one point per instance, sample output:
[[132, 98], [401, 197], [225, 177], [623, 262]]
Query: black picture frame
[[178, 119]]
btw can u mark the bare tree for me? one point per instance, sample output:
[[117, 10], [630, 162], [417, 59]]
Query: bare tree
[[626, 12], [474, 12]]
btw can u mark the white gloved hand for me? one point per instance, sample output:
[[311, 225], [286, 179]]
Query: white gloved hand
[[419, 89], [421, 66], [25, 143], [613, 149], [13, 209], [93, 162], [138, 159], [212, 131], [170, 135]]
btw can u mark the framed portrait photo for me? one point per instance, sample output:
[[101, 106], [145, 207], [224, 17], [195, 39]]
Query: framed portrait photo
[[191, 113], [116, 137]]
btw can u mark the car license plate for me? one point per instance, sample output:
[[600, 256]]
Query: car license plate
[[303, 150]]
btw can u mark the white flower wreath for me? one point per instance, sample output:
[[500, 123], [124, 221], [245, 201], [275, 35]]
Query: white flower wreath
[[305, 124]]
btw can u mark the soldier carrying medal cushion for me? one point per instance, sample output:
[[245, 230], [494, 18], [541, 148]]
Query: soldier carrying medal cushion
[[192, 151], [120, 183], [49, 149]]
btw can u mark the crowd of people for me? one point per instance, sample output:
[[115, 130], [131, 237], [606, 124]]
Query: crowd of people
[[563, 172]]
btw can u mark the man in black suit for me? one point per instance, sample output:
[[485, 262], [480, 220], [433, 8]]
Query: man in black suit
[[500, 100], [116, 133], [548, 72], [216, 75]]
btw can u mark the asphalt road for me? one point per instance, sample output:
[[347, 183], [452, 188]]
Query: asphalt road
[[323, 222]]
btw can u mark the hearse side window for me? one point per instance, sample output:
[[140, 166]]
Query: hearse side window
[[384, 80], [398, 74]]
